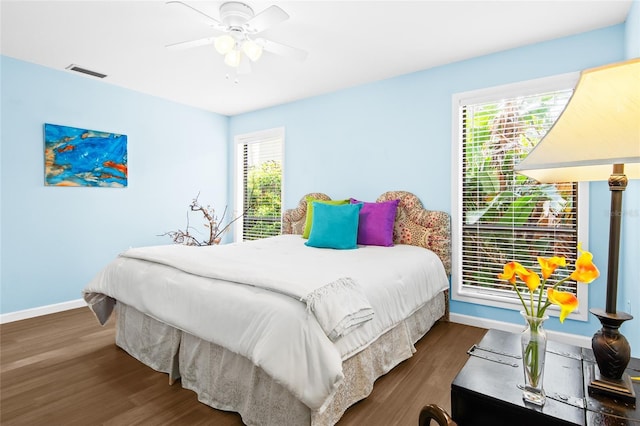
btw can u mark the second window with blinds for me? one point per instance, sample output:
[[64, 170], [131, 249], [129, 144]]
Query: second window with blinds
[[498, 215], [259, 161]]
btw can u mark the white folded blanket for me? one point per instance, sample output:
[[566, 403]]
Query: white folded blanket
[[337, 301], [339, 307]]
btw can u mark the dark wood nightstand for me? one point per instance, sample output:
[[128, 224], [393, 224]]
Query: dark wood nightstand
[[486, 391]]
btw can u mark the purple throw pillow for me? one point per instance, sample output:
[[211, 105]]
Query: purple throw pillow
[[375, 227]]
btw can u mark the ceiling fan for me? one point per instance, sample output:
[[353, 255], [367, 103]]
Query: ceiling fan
[[237, 28]]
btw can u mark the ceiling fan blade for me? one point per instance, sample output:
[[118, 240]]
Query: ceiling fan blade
[[267, 18], [283, 50], [192, 43], [201, 16]]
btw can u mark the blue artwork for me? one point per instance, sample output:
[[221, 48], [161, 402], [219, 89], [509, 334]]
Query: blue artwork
[[79, 157]]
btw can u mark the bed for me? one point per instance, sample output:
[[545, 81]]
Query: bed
[[264, 350]]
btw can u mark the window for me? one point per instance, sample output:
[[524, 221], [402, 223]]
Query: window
[[499, 215], [259, 184]]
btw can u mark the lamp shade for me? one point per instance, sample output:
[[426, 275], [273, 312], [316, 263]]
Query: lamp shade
[[252, 49], [599, 127], [224, 44], [232, 58]]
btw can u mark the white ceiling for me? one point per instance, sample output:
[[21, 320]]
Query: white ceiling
[[349, 42]]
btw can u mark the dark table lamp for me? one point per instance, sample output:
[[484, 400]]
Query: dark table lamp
[[597, 137]]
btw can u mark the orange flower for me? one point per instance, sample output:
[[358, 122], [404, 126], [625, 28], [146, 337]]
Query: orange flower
[[568, 302], [585, 271], [513, 269], [510, 272], [530, 278], [549, 265]]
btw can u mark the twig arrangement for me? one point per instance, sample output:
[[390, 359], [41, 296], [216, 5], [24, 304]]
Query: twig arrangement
[[211, 222]]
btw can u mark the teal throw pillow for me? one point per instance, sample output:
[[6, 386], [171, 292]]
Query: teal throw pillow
[[309, 219], [334, 226]]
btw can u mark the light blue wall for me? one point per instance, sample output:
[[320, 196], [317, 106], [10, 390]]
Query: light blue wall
[[396, 134], [55, 239], [632, 31]]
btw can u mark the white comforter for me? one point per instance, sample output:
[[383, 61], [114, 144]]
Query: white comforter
[[272, 329], [335, 299]]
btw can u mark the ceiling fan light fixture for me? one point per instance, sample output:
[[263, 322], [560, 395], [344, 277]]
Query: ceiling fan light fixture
[[252, 49], [232, 58], [239, 24], [224, 44]]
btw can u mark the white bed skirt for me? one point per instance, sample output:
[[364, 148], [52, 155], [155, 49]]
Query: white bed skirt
[[228, 381]]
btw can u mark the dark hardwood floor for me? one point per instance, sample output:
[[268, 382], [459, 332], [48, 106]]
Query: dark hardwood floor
[[64, 369]]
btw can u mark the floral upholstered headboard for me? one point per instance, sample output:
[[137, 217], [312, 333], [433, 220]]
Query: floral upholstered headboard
[[293, 220], [414, 225]]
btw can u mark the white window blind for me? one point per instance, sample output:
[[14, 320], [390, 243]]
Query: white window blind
[[260, 162], [503, 216]]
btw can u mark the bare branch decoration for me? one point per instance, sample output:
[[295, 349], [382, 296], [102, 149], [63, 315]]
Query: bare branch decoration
[[211, 221]]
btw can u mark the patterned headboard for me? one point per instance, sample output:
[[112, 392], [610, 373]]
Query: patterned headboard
[[414, 224], [293, 220]]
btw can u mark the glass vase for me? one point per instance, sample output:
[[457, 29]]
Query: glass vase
[[534, 345]]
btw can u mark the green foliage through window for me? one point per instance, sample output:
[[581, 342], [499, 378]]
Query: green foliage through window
[[262, 188], [507, 216], [263, 198]]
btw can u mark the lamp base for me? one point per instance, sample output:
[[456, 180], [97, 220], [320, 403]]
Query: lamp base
[[620, 389], [612, 353]]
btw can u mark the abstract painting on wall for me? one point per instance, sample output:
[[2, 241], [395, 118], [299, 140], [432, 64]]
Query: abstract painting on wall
[[80, 157]]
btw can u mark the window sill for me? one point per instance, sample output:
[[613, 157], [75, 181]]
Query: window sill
[[504, 301]]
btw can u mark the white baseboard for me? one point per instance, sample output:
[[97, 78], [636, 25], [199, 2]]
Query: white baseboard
[[42, 310], [557, 336]]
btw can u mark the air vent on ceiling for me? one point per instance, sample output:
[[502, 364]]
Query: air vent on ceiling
[[76, 68]]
